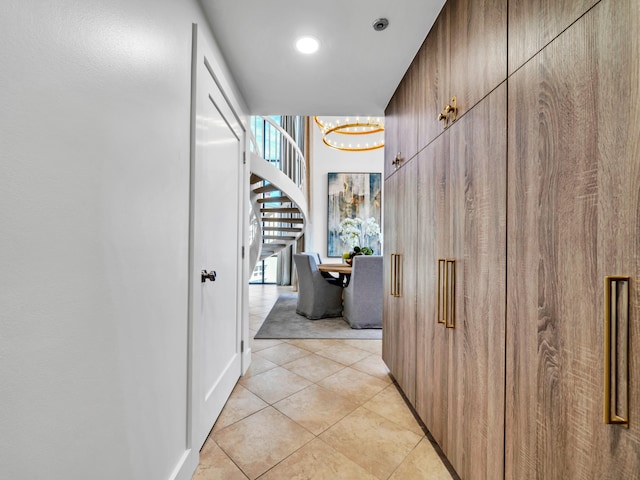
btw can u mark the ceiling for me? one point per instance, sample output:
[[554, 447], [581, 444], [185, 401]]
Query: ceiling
[[355, 71]]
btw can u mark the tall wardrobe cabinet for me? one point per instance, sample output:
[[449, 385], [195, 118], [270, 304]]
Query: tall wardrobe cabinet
[[517, 227]]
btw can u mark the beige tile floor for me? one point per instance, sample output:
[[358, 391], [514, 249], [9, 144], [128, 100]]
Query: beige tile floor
[[315, 410]]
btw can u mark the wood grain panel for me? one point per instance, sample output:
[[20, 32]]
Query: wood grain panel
[[390, 330], [475, 438], [433, 91], [433, 242], [399, 320], [534, 23], [391, 141], [478, 38], [408, 114], [574, 217]]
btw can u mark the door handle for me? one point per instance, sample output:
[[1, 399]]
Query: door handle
[[446, 312], [616, 350], [450, 293], [204, 276], [441, 312]]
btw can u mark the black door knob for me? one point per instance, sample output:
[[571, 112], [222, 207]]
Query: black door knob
[[204, 276]]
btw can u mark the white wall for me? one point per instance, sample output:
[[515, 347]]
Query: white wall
[[94, 205], [323, 161]]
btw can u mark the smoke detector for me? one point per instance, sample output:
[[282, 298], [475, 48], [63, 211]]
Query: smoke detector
[[380, 24]]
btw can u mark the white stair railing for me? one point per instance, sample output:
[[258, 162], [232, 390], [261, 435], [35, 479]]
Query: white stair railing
[[278, 192]]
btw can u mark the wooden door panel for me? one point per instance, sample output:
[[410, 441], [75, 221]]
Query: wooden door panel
[[478, 49], [433, 92], [399, 324], [475, 438], [433, 242], [391, 141], [390, 330], [408, 115], [406, 243], [534, 23], [574, 210]]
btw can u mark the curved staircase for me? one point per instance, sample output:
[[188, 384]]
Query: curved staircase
[[278, 198]]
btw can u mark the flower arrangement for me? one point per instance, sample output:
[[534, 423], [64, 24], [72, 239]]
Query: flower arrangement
[[356, 232]]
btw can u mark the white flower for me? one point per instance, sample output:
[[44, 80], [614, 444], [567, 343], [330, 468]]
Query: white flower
[[357, 232]]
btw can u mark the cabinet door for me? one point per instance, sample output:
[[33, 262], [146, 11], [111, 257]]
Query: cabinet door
[[478, 45], [432, 371], [391, 143], [475, 437], [574, 217], [534, 23], [401, 121], [433, 91], [408, 116], [399, 320]]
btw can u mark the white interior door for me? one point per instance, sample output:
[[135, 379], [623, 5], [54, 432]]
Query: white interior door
[[215, 247]]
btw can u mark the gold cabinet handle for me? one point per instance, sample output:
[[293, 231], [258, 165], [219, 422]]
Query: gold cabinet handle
[[398, 275], [395, 275], [450, 293], [441, 313], [449, 112], [397, 160], [452, 109], [392, 270], [616, 350], [447, 292]]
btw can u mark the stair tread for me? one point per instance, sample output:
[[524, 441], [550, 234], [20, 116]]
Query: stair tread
[[255, 179], [280, 199], [281, 229], [279, 210], [266, 188], [281, 220]]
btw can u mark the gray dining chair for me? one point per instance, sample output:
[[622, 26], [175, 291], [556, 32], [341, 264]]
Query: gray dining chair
[[317, 298], [327, 276], [363, 296]]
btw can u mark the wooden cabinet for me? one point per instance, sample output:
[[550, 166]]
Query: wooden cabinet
[[434, 92], [478, 49], [399, 320], [534, 23], [401, 127], [535, 195], [462, 218], [391, 143], [432, 348], [464, 55], [574, 218]]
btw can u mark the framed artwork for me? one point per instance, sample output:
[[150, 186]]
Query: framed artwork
[[355, 196]]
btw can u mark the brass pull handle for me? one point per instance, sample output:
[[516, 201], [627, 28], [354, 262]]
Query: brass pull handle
[[447, 292], [449, 112], [616, 350], [396, 275], [450, 293], [397, 160], [452, 109], [441, 314], [399, 276], [392, 271]]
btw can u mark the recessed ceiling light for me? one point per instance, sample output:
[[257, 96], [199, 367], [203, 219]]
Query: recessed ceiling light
[[307, 45]]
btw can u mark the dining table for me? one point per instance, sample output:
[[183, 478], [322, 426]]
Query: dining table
[[342, 269]]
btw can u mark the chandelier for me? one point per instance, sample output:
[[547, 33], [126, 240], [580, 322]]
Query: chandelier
[[352, 134]]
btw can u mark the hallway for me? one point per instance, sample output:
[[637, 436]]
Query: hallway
[[315, 409]]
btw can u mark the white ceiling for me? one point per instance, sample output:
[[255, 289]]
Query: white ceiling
[[356, 70]]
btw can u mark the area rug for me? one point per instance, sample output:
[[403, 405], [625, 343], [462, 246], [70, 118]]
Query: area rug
[[284, 322]]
